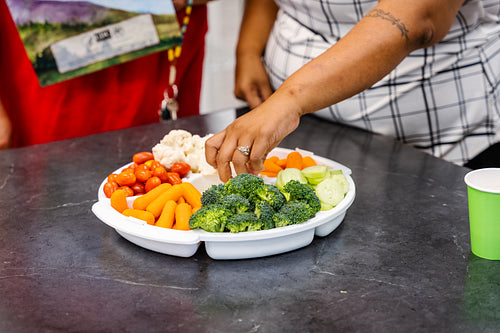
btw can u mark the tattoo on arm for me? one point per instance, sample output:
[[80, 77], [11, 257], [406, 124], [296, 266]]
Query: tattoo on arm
[[389, 17]]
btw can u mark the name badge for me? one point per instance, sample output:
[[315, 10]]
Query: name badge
[[104, 43]]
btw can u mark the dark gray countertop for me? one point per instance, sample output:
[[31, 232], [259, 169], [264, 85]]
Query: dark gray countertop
[[399, 262]]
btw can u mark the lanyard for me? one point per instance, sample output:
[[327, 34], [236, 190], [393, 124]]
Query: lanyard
[[169, 104]]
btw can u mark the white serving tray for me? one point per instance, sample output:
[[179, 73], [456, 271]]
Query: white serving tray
[[242, 245]]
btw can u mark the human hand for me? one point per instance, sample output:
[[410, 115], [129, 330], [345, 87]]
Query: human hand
[[261, 129], [251, 80]]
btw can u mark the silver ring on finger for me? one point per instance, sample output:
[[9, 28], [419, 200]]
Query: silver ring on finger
[[245, 150]]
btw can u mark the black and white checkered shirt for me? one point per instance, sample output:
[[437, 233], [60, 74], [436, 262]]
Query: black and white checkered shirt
[[444, 99]]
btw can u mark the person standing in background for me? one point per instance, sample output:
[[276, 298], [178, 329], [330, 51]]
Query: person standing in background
[[120, 96], [424, 72]]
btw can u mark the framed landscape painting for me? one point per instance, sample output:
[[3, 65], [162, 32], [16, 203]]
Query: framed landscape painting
[[66, 39]]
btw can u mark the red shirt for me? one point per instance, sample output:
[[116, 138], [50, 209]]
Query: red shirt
[[117, 97]]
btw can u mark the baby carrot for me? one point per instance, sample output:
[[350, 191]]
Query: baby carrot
[[167, 217], [174, 192], [181, 200], [144, 200], [271, 166], [140, 214], [182, 214], [119, 200], [308, 161], [192, 195], [294, 160]]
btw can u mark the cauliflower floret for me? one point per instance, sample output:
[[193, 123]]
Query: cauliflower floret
[[194, 145], [193, 160], [181, 146], [168, 155], [176, 138], [200, 163], [204, 168]]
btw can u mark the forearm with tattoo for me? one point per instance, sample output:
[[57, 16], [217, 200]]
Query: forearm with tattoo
[[379, 13]]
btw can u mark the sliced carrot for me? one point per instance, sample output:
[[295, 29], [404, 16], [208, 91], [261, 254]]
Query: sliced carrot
[[268, 173], [144, 200], [174, 192], [167, 217], [273, 158], [271, 166], [294, 160], [281, 163], [182, 214], [308, 161], [192, 195], [119, 200], [140, 214]]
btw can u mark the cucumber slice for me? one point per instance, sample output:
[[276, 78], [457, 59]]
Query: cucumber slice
[[330, 192], [314, 181], [316, 174], [325, 206], [335, 172], [316, 171], [284, 176], [342, 180]]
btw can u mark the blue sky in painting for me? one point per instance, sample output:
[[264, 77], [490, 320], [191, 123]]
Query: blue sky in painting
[[140, 6]]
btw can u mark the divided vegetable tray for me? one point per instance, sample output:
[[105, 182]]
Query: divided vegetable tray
[[243, 245]]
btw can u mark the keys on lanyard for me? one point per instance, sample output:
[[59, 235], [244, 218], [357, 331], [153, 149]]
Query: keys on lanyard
[[169, 105]]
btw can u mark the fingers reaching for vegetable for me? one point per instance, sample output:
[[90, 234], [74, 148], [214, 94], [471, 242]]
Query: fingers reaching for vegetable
[[261, 130]]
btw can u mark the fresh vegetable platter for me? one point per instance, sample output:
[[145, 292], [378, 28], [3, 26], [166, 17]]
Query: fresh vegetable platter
[[224, 245]]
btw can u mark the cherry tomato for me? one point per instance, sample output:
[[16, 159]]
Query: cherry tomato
[[181, 168], [138, 188], [142, 167], [142, 175], [126, 178], [161, 173], [131, 168], [142, 157], [173, 178], [128, 191], [152, 183], [112, 177], [152, 164], [109, 188]]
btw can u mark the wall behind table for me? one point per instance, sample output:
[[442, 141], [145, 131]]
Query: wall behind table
[[224, 18]]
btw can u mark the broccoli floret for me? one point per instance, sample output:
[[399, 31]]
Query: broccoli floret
[[296, 211], [281, 220], [213, 194], [296, 191], [235, 203], [212, 218], [292, 212], [244, 184], [264, 213], [270, 194], [245, 221]]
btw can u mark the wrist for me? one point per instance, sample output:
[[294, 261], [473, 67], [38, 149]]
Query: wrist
[[291, 98]]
